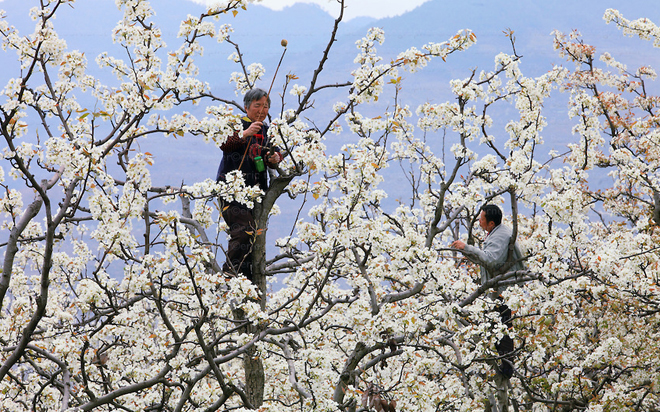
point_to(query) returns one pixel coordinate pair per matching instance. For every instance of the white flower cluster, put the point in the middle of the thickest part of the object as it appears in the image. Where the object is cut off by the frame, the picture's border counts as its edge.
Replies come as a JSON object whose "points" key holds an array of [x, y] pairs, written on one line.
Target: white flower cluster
{"points": [[462, 120], [11, 204], [136, 295], [234, 189], [298, 90], [369, 77], [366, 45], [305, 145], [255, 72], [199, 27], [143, 39], [643, 27], [414, 59]]}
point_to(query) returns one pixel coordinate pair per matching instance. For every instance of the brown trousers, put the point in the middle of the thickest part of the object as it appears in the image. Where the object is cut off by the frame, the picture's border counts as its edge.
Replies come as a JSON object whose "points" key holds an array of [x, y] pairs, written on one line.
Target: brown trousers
{"points": [[241, 234]]}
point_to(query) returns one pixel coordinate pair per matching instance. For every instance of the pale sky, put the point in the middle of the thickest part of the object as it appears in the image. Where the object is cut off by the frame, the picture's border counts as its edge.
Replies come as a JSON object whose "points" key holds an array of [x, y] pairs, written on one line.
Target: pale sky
{"points": [[354, 8]]}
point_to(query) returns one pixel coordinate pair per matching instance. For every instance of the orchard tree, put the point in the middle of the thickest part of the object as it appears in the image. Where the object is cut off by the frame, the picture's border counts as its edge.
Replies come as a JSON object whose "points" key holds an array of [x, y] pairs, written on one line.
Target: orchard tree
{"points": [[111, 293]]}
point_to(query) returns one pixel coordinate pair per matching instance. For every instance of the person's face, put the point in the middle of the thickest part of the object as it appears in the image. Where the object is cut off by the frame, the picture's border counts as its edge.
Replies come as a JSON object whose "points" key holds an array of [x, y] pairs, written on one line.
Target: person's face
{"points": [[485, 225], [258, 110]]}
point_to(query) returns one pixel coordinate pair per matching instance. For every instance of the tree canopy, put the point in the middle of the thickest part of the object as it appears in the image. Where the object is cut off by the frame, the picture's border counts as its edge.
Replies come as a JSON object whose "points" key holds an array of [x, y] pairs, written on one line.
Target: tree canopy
{"points": [[111, 293]]}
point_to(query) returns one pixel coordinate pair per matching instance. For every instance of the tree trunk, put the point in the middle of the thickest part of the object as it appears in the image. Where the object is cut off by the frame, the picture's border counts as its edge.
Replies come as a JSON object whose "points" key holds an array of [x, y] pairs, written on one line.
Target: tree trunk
{"points": [[253, 366], [252, 363], [260, 213], [254, 377], [499, 402]]}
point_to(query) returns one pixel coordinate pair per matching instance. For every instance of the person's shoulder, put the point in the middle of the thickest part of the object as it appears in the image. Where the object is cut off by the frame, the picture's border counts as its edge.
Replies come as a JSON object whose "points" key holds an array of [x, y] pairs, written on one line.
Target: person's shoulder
{"points": [[501, 230]]}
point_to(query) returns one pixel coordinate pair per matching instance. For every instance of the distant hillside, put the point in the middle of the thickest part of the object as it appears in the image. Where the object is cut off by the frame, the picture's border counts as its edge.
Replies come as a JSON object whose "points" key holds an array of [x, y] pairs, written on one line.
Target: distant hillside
{"points": [[88, 25]]}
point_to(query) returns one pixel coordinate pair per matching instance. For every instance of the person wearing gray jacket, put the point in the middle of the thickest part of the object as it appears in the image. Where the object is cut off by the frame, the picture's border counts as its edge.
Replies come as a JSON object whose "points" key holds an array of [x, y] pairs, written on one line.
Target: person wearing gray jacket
{"points": [[493, 261], [493, 256]]}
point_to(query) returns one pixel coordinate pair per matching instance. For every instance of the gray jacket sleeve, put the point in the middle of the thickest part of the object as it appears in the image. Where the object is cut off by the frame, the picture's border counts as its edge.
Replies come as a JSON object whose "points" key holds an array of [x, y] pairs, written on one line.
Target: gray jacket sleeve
{"points": [[494, 252]]}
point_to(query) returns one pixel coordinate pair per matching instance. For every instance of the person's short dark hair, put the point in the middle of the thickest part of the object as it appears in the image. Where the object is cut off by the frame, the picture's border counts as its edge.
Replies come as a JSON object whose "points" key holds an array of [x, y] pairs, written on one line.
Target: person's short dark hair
{"points": [[254, 95], [492, 213]]}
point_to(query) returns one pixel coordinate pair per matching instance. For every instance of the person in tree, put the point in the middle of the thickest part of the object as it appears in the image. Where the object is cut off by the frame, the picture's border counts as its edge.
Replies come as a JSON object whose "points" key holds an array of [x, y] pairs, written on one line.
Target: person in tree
{"points": [[250, 152], [493, 260]]}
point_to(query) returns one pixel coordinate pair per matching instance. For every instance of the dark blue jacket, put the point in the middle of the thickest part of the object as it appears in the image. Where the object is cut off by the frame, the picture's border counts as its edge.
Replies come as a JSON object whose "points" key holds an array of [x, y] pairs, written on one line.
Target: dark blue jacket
{"points": [[236, 153]]}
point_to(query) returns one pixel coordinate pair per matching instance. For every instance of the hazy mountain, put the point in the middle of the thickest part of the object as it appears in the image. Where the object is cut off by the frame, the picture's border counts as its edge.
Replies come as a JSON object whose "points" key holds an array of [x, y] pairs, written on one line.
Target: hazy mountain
{"points": [[87, 25]]}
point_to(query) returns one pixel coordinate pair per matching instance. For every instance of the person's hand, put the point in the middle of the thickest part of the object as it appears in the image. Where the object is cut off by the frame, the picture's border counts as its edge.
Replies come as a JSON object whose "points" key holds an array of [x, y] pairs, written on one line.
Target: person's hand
{"points": [[254, 128], [274, 158], [458, 244]]}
